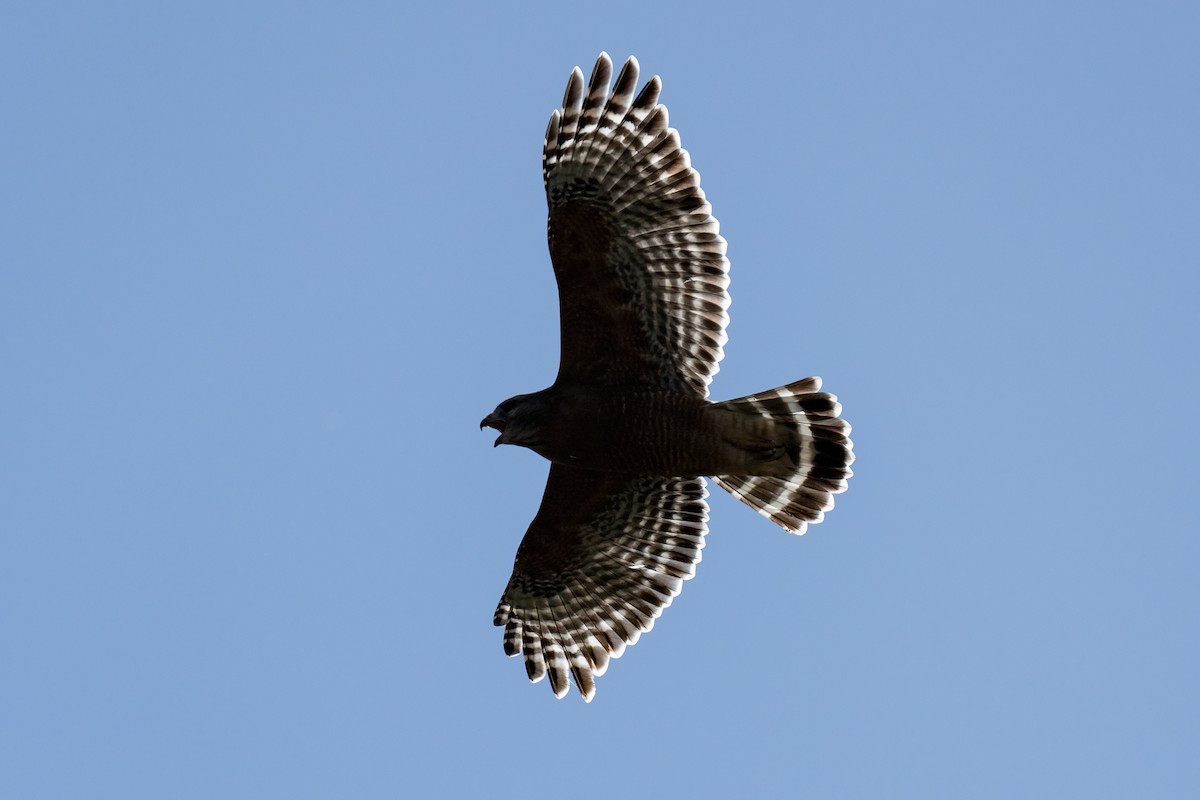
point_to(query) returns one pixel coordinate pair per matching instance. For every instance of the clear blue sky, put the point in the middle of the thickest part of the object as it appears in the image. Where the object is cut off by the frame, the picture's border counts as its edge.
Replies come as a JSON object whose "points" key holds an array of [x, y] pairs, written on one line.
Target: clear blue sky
{"points": [[266, 266]]}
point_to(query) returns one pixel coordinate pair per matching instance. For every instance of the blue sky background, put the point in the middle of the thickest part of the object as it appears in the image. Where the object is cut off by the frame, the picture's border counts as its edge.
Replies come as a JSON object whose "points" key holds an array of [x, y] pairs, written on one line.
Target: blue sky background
{"points": [[266, 266]]}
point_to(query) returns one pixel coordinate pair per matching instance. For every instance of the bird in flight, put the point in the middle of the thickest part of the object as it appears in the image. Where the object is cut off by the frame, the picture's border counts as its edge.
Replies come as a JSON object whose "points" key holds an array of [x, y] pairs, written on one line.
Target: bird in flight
{"points": [[627, 425]]}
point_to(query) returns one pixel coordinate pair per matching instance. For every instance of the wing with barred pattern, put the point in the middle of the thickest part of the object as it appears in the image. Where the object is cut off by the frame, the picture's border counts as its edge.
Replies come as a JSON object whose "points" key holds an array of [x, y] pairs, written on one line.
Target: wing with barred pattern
{"points": [[604, 556], [641, 267]]}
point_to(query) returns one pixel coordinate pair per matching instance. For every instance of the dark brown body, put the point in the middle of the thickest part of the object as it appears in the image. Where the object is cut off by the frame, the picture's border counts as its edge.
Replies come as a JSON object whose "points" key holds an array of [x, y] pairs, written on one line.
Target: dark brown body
{"points": [[653, 432]]}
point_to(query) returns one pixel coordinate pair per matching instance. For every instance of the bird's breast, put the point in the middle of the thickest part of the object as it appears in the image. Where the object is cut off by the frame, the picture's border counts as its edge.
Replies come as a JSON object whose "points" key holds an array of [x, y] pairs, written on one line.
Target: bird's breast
{"points": [[636, 431]]}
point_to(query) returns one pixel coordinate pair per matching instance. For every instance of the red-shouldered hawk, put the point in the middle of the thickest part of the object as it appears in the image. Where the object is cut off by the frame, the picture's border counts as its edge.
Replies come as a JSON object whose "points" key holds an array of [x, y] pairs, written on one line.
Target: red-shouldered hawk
{"points": [[642, 279]]}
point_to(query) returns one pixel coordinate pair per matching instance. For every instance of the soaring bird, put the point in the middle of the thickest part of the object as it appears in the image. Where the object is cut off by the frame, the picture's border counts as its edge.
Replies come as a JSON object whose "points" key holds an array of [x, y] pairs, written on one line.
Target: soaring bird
{"points": [[627, 424]]}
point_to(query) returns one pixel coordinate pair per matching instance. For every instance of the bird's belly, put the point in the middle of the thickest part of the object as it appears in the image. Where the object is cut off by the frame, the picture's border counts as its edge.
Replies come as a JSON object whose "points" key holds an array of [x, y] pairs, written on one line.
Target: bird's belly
{"points": [[642, 433]]}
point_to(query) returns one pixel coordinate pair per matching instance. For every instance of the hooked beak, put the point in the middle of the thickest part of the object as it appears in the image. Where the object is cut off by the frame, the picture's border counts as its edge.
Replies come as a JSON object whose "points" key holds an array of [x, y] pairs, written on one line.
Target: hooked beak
{"points": [[494, 421]]}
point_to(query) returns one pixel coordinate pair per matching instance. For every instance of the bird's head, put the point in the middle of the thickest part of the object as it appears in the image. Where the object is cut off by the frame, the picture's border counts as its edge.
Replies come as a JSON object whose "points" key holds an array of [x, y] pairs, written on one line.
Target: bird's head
{"points": [[519, 420]]}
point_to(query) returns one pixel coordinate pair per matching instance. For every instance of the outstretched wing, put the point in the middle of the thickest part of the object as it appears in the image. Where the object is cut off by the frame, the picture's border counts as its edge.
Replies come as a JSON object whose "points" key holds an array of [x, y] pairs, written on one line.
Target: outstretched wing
{"points": [[641, 267], [604, 556]]}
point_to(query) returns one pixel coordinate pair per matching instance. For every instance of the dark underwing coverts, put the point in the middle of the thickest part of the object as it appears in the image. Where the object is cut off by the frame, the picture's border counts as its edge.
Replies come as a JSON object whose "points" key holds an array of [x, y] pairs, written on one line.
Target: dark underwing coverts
{"points": [[642, 279]]}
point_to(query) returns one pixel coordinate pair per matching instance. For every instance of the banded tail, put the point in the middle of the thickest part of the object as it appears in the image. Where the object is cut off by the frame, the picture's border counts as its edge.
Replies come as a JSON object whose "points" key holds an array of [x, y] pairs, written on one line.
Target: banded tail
{"points": [[822, 465]]}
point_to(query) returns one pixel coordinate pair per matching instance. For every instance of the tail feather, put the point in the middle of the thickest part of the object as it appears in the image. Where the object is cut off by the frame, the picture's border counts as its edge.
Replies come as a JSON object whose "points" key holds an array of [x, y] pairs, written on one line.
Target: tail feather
{"points": [[823, 455]]}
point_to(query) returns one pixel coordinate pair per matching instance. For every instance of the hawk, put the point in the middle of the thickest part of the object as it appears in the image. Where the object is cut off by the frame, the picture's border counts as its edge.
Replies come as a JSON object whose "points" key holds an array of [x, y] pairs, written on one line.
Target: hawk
{"points": [[627, 426]]}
